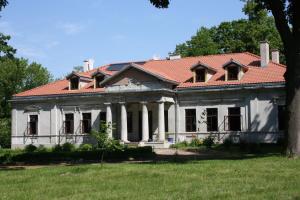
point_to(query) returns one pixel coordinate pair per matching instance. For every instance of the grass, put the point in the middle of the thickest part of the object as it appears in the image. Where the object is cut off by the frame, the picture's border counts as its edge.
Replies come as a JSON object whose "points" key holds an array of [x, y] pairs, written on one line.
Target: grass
{"points": [[273, 177]]}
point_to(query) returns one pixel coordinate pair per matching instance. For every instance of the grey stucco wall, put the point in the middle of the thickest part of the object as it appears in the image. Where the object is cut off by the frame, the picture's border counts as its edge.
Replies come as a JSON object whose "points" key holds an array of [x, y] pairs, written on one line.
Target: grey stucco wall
{"points": [[258, 108]]}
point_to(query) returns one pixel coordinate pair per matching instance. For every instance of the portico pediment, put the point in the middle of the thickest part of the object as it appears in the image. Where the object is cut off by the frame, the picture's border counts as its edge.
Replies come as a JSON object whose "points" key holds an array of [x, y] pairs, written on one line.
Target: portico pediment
{"points": [[134, 77]]}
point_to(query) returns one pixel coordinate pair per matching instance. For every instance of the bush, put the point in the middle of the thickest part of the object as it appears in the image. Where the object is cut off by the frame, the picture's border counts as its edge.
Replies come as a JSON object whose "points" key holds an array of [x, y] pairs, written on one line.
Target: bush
{"points": [[195, 143], [30, 148], [5, 133], [57, 148], [41, 148], [227, 143], [179, 145], [85, 147], [208, 142], [68, 147], [12, 156]]}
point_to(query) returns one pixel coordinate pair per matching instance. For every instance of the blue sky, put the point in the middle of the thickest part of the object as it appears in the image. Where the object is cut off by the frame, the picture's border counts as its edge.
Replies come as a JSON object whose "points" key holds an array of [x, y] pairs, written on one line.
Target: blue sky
{"points": [[60, 34]]}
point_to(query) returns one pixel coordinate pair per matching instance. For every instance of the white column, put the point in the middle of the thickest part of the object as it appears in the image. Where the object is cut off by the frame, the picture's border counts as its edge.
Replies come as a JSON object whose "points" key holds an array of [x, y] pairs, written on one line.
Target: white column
{"points": [[145, 125], [123, 122], [109, 119], [161, 121], [177, 121]]}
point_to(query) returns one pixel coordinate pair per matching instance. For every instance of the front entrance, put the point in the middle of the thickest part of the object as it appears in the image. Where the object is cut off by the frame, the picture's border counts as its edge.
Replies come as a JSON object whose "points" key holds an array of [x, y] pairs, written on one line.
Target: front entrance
{"points": [[149, 123]]}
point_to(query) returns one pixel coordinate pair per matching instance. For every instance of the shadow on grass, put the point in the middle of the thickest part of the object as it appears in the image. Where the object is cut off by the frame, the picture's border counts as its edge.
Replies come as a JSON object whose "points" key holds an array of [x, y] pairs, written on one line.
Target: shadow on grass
{"points": [[219, 153], [172, 156]]}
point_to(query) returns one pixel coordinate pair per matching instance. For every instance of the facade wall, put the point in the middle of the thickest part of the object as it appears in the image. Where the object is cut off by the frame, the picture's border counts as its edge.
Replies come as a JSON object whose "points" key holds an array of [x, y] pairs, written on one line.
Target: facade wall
{"points": [[258, 109]]}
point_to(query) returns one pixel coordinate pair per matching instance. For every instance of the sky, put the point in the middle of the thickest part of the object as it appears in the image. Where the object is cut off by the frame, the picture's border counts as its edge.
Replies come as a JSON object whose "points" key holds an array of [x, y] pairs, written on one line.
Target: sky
{"points": [[61, 34]]}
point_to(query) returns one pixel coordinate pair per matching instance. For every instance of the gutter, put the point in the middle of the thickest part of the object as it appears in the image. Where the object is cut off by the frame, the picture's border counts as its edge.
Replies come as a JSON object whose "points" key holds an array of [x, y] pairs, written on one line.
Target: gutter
{"points": [[231, 87], [72, 95]]}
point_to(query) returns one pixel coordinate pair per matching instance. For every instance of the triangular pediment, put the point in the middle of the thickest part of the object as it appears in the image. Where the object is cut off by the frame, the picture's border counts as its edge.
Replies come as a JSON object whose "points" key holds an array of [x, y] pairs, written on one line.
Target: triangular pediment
{"points": [[135, 74]]}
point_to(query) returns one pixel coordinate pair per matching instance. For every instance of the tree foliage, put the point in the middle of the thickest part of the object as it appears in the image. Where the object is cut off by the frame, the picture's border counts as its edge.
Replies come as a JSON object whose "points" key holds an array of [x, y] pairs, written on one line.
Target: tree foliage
{"points": [[3, 3], [235, 36]]}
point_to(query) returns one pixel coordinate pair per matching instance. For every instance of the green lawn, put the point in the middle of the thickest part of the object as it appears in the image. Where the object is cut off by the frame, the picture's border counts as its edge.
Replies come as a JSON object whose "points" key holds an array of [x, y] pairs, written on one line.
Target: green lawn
{"points": [[272, 177]]}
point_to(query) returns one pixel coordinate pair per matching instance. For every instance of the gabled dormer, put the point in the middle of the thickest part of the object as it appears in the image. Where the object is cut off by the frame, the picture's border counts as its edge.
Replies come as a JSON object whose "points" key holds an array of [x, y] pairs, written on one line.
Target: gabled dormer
{"points": [[202, 72], [234, 70], [77, 81], [98, 77]]}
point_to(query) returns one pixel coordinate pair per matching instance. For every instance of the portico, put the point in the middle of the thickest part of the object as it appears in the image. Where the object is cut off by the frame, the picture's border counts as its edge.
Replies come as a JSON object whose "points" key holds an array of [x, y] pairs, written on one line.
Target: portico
{"points": [[139, 121]]}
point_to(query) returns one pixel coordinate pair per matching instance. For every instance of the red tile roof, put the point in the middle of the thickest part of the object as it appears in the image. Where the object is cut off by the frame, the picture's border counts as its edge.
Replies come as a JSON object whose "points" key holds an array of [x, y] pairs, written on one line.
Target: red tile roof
{"points": [[179, 71]]}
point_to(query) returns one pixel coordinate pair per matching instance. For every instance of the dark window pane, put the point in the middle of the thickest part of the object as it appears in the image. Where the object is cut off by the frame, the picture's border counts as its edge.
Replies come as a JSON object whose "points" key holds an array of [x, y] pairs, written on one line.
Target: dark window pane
{"points": [[86, 122], [200, 75], [234, 119], [281, 117], [232, 73], [102, 117], [190, 120], [33, 124], [212, 119], [69, 123], [74, 82], [99, 79]]}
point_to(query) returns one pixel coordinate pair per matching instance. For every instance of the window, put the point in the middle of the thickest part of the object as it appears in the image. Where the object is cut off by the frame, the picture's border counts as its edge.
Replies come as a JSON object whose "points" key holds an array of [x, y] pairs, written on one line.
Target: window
{"points": [[166, 121], [232, 73], [33, 124], [74, 83], [102, 117], [234, 119], [69, 123], [86, 122], [212, 119], [129, 122], [281, 117], [98, 80], [200, 75], [190, 120]]}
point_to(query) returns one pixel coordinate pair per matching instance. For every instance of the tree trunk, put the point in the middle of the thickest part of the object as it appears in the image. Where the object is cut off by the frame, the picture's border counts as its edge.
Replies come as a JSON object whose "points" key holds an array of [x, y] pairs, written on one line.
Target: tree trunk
{"points": [[293, 100]]}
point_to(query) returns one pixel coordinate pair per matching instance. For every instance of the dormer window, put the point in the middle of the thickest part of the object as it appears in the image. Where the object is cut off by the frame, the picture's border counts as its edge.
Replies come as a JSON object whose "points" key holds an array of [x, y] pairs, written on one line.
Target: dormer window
{"points": [[234, 70], [74, 83], [202, 72], [99, 76], [77, 81], [98, 80], [200, 75], [233, 73]]}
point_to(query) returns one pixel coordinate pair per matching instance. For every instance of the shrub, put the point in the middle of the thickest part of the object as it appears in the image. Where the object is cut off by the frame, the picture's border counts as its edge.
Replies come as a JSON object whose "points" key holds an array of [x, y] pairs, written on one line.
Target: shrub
{"points": [[41, 148], [30, 148], [57, 148], [195, 143], [85, 147], [68, 147], [208, 142], [179, 145], [227, 143]]}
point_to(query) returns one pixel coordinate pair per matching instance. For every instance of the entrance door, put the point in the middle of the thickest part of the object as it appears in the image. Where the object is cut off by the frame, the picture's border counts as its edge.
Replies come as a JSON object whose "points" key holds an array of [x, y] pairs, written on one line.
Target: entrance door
{"points": [[234, 119], [150, 124]]}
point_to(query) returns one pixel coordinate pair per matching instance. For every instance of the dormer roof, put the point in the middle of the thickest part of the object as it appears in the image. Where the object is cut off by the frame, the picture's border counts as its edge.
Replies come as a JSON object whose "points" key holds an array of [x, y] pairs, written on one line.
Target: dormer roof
{"points": [[201, 64]]}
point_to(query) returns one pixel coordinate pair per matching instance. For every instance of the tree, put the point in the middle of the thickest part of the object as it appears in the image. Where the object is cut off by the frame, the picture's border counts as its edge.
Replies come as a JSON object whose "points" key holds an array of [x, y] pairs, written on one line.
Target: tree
{"points": [[235, 36], [36, 75], [287, 20], [3, 3]]}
